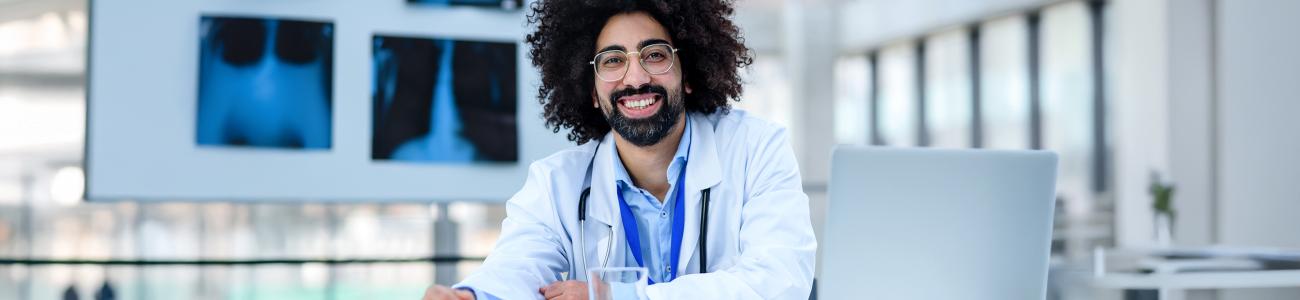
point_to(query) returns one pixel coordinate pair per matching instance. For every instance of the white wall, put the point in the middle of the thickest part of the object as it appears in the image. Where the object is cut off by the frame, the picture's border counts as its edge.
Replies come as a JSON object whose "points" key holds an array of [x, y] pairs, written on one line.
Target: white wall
{"points": [[1208, 89], [1259, 99], [1138, 99], [1259, 148], [1192, 119]]}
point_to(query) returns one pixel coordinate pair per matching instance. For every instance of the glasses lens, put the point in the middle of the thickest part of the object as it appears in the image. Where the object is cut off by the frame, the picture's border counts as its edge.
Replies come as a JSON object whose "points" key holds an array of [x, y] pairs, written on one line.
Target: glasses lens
{"points": [[610, 65], [657, 59]]}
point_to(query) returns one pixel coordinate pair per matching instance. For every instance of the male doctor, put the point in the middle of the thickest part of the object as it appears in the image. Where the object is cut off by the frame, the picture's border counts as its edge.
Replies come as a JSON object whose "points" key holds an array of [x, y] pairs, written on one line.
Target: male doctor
{"points": [[659, 73]]}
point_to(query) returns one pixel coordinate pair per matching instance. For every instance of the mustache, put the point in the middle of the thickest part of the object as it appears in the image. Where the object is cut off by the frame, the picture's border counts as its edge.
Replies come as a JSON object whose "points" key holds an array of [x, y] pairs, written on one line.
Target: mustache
{"points": [[649, 88]]}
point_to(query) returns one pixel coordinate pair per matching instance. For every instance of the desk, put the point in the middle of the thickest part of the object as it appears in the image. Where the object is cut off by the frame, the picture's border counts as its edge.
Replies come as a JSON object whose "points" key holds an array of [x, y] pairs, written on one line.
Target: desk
{"points": [[1174, 286]]}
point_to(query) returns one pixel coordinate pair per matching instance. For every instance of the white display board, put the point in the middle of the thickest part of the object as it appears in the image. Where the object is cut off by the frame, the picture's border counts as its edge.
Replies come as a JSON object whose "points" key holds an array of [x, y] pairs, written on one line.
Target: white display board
{"points": [[142, 103]]}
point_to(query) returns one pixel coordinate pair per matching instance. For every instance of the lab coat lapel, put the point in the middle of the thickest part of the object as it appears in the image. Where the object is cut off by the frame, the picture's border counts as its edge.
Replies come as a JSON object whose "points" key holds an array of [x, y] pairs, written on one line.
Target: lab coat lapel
{"points": [[602, 201], [702, 171], [603, 206]]}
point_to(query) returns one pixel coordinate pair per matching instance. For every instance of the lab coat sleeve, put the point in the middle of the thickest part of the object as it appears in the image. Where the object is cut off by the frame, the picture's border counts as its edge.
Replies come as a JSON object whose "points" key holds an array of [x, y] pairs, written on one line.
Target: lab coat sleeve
{"points": [[529, 254], [777, 245]]}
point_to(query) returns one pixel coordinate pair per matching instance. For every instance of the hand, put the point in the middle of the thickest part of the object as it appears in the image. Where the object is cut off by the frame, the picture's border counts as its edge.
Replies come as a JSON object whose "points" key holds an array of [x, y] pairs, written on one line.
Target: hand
{"points": [[438, 292], [565, 290]]}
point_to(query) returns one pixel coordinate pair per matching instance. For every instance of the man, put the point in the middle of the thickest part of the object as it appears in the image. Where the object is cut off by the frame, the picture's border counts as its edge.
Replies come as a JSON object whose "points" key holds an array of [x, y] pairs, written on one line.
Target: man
{"points": [[660, 75]]}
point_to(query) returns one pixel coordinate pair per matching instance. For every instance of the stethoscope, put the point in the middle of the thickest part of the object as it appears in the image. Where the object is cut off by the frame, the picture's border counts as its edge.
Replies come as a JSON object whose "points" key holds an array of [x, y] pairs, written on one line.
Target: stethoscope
{"points": [[582, 222]]}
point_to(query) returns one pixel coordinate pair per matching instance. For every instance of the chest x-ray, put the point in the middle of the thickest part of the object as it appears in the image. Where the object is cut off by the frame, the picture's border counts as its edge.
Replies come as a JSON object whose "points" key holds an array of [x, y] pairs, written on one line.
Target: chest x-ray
{"points": [[265, 83], [445, 101]]}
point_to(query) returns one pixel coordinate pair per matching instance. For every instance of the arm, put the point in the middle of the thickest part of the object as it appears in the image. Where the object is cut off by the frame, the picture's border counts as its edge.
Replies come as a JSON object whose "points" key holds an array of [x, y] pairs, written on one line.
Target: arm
{"points": [[529, 254], [777, 245]]}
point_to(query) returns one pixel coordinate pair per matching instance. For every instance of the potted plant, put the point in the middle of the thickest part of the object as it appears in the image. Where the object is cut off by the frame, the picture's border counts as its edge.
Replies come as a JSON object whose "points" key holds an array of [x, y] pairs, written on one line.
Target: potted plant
{"points": [[1162, 194]]}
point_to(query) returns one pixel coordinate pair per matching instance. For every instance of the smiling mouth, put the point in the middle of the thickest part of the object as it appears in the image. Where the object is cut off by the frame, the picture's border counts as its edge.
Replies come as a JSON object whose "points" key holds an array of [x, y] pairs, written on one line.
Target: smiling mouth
{"points": [[639, 105], [638, 102]]}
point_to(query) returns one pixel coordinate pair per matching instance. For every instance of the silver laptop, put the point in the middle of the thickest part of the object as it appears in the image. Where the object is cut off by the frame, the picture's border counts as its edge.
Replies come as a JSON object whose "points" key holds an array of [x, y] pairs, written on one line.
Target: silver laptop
{"points": [[937, 224]]}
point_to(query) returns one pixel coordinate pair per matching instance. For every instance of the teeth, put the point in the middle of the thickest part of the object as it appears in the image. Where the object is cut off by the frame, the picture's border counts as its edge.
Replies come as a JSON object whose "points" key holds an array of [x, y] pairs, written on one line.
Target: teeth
{"points": [[639, 103]]}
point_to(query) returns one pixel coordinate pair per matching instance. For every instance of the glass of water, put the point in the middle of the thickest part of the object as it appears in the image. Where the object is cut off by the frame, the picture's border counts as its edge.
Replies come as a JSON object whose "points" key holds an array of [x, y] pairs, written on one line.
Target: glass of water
{"points": [[616, 283]]}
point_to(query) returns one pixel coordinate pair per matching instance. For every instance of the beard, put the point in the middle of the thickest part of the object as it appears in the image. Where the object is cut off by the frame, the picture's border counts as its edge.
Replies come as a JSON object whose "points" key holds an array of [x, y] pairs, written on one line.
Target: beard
{"points": [[650, 130]]}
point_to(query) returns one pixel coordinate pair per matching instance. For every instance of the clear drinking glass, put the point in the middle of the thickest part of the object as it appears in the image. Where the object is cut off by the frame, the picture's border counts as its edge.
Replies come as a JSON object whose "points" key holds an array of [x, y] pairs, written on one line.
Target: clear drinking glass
{"points": [[616, 283]]}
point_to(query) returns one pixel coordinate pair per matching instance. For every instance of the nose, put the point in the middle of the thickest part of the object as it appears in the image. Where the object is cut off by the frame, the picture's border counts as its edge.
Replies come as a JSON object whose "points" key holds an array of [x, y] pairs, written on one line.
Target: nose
{"points": [[636, 75]]}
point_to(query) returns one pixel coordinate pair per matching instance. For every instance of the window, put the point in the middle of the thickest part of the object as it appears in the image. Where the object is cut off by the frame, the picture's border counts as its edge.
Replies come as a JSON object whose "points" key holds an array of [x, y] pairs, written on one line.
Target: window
{"points": [[947, 84], [852, 96], [1067, 99], [898, 107], [1004, 71]]}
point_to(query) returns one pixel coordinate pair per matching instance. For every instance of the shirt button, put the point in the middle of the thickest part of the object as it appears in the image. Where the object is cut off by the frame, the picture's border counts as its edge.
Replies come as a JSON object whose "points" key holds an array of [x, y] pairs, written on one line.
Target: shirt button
{"points": [[663, 215]]}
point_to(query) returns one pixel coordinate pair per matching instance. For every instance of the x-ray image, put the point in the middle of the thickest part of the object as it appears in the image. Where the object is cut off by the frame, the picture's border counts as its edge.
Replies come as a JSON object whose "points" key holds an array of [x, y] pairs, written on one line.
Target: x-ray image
{"points": [[265, 83], [446, 101], [503, 4]]}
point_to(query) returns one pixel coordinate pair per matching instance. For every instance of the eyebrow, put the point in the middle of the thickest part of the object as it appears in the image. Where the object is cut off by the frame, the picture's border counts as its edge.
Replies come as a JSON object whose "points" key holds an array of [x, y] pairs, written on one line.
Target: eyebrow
{"points": [[653, 42], [641, 45], [612, 47]]}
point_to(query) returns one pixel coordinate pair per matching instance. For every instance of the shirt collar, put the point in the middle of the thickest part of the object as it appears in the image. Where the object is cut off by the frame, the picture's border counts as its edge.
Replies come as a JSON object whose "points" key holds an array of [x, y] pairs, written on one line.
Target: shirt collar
{"points": [[624, 180]]}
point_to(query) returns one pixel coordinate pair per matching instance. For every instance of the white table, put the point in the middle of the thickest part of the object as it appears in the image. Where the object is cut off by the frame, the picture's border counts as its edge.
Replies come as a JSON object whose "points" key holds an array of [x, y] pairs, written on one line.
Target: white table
{"points": [[1175, 286]]}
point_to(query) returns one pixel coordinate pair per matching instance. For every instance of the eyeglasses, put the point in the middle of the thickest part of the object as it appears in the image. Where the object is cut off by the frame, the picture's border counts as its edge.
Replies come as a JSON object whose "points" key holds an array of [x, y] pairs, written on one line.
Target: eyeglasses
{"points": [[655, 59]]}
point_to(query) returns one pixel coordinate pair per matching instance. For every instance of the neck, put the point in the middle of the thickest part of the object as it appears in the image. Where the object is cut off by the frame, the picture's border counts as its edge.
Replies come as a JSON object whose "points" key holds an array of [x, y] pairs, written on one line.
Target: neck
{"points": [[648, 165]]}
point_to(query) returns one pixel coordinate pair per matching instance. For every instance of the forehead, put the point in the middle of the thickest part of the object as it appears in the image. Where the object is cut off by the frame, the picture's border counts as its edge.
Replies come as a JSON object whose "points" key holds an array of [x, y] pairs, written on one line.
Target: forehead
{"points": [[628, 30]]}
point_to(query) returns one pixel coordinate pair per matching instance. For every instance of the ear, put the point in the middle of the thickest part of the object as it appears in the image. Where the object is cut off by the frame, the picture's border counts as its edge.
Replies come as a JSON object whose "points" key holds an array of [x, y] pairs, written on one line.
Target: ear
{"points": [[687, 86], [595, 99]]}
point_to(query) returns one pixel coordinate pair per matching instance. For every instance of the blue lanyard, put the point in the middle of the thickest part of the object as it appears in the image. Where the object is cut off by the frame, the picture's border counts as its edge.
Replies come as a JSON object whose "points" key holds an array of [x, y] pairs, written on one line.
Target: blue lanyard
{"points": [[679, 222], [679, 225]]}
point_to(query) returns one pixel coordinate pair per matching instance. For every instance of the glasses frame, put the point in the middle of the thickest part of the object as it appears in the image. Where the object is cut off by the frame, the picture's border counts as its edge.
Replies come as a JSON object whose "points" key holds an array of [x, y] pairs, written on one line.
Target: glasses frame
{"points": [[639, 60]]}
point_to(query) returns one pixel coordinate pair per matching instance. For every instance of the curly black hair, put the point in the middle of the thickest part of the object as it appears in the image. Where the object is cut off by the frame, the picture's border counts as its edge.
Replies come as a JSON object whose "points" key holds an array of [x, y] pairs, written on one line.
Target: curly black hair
{"points": [[713, 52]]}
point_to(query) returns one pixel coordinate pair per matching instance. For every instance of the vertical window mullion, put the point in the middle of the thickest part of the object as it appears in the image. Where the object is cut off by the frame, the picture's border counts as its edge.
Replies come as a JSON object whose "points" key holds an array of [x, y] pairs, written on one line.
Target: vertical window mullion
{"points": [[1034, 28], [977, 123], [1100, 160], [873, 98], [922, 130]]}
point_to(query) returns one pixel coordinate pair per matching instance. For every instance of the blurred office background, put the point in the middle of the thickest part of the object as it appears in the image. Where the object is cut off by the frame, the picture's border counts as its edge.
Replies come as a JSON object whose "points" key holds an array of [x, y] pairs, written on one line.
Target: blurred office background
{"points": [[1202, 93]]}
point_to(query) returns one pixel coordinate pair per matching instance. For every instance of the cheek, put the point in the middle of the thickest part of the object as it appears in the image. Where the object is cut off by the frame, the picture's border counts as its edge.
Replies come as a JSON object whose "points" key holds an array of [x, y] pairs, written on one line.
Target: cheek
{"points": [[674, 82], [674, 79], [603, 89]]}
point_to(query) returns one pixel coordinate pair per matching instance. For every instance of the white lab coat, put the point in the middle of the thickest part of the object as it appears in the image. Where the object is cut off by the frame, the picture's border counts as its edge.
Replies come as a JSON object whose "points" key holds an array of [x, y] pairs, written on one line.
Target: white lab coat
{"points": [[760, 236]]}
